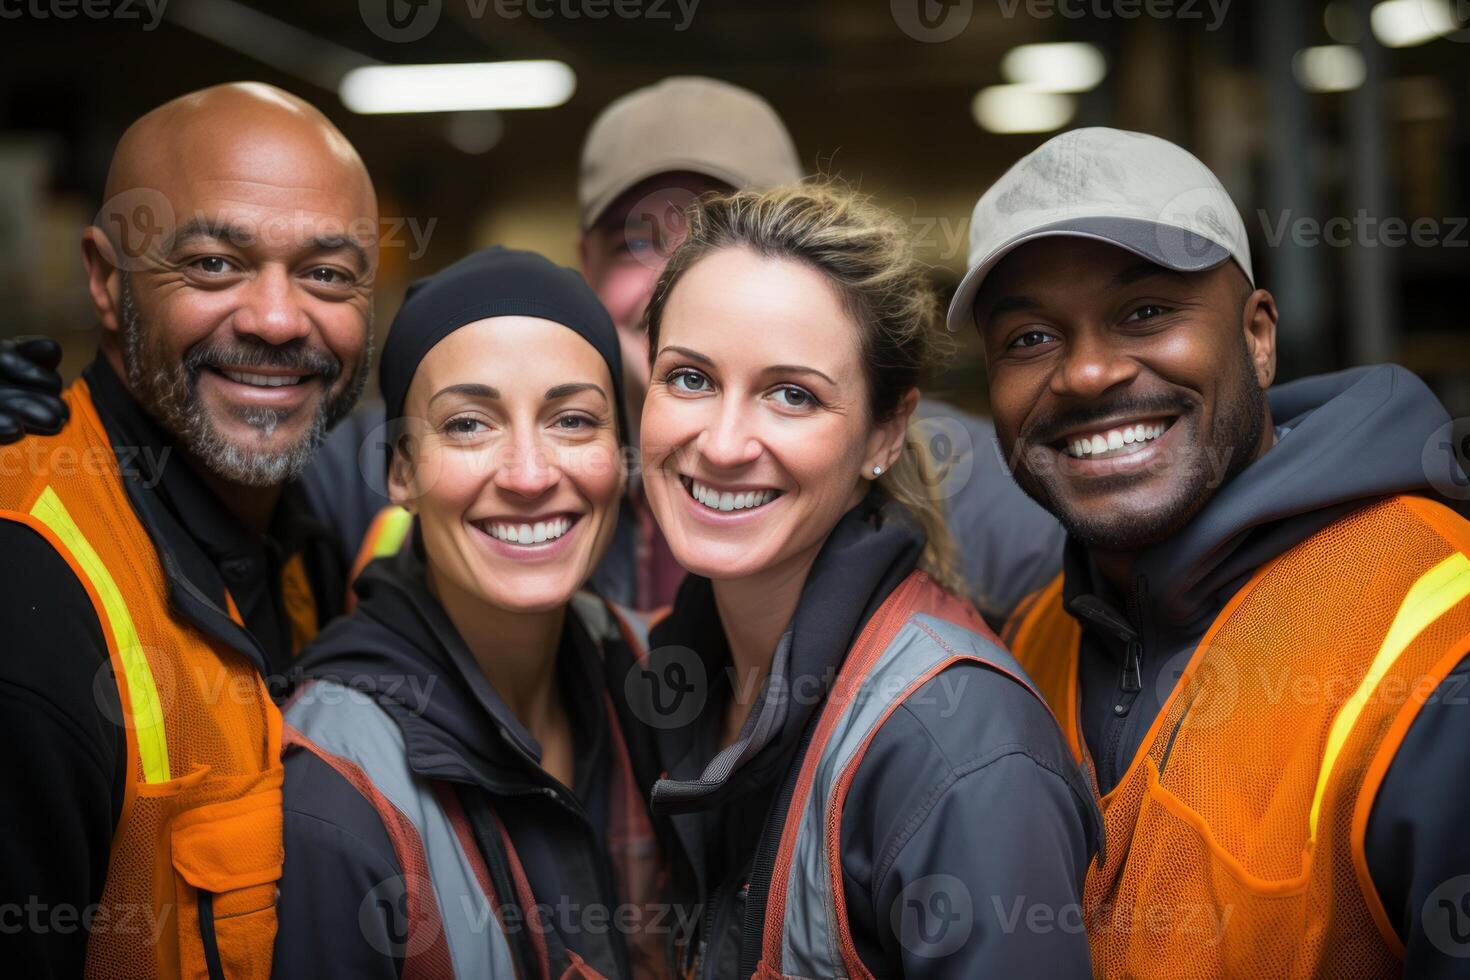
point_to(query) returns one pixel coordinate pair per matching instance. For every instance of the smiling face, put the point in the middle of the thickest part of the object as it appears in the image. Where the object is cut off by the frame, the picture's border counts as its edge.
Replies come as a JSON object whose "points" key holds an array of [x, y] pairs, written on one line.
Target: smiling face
{"points": [[512, 462], [1124, 394], [232, 270], [756, 430]]}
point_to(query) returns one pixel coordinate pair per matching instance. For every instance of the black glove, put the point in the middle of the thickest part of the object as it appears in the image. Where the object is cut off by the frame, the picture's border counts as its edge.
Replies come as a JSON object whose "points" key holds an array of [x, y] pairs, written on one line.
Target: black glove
{"points": [[30, 388]]}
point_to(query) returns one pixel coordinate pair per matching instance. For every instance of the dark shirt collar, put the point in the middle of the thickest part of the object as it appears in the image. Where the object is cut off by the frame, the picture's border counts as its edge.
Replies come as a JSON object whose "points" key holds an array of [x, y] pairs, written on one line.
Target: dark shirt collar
{"points": [[456, 726], [202, 546]]}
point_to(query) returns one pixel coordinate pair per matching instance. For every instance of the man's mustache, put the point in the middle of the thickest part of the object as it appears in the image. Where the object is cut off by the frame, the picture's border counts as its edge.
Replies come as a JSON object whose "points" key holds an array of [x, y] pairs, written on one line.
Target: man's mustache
{"points": [[295, 357], [1050, 428]]}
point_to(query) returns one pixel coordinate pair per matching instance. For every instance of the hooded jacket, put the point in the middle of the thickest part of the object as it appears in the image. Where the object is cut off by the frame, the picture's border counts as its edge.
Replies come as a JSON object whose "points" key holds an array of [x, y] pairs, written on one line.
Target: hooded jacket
{"points": [[400, 651], [1344, 440], [969, 778]]}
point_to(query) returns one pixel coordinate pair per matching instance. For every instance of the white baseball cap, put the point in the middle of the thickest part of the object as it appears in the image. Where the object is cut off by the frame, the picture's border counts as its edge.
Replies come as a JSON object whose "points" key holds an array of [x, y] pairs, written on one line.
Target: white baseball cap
{"points": [[1136, 191]]}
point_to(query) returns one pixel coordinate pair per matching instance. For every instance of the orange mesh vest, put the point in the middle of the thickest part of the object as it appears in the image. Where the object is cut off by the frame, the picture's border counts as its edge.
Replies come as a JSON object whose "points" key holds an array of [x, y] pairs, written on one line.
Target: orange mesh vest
{"points": [[191, 883], [1234, 842]]}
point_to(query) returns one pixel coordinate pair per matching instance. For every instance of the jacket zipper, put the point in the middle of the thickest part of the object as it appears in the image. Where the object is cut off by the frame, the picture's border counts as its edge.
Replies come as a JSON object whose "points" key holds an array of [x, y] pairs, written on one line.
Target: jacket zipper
{"points": [[706, 930], [759, 886], [1130, 680]]}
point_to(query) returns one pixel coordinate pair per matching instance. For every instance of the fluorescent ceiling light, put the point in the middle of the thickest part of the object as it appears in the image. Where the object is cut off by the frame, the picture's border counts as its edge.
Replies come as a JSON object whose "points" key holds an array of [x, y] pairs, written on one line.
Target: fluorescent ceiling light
{"points": [[1329, 68], [1062, 67], [458, 88], [1405, 23], [1021, 109]]}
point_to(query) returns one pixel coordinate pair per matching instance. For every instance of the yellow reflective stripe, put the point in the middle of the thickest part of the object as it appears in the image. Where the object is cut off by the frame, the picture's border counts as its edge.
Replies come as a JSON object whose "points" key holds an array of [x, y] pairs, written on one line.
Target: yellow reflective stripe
{"points": [[393, 528], [147, 711], [1436, 592]]}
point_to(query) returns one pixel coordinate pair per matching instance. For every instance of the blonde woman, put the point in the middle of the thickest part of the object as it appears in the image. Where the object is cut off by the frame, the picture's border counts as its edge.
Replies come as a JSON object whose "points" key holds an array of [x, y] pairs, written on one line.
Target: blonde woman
{"points": [[862, 779]]}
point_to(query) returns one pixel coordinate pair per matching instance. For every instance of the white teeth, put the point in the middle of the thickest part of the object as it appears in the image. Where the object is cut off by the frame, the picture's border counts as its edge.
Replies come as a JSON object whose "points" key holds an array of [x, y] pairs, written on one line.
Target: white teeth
{"points": [[727, 501], [262, 380], [540, 532], [1113, 440]]}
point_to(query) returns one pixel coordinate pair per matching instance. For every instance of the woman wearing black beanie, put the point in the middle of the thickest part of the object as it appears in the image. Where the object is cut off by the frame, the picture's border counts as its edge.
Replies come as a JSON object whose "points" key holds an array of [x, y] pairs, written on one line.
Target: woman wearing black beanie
{"points": [[461, 793]]}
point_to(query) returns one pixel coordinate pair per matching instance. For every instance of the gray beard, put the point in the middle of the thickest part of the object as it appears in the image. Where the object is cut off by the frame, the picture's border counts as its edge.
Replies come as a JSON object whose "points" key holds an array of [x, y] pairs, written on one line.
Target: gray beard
{"points": [[169, 393]]}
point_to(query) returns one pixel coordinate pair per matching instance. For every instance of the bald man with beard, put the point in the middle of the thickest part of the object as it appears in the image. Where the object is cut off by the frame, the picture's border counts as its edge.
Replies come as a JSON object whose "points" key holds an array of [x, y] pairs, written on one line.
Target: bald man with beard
{"points": [[160, 560]]}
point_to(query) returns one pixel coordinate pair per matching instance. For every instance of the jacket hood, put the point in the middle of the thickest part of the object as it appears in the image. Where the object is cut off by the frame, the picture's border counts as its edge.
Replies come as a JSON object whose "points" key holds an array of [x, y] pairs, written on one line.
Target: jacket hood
{"points": [[401, 647], [1343, 439]]}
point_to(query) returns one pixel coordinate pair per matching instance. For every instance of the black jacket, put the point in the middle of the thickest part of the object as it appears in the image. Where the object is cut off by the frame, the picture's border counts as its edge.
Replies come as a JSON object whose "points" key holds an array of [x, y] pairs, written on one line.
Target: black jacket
{"points": [[400, 648], [969, 778]]}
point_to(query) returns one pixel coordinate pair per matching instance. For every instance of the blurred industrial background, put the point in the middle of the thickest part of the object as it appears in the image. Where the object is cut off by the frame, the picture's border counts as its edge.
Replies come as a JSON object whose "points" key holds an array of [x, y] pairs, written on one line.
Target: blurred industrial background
{"points": [[1342, 128]]}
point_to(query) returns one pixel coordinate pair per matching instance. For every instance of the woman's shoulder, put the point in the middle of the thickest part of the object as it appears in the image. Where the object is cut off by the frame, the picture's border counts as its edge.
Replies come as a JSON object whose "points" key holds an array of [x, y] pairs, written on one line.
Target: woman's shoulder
{"points": [[961, 680], [965, 703], [970, 744], [347, 738], [973, 710], [325, 811]]}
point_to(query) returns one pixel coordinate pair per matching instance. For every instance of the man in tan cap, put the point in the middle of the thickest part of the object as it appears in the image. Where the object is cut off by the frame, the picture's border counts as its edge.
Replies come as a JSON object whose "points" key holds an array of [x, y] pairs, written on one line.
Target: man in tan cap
{"points": [[646, 157]]}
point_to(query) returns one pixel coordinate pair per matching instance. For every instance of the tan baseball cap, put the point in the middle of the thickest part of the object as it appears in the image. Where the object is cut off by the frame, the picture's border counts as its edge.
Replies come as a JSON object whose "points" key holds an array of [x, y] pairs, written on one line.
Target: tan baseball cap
{"points": [[1133, 190], [684, 123]]}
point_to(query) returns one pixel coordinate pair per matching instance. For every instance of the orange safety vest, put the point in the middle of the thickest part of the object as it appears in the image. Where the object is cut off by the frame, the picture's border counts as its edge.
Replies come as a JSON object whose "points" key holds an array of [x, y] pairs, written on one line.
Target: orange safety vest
{"points": [[1234, 842], [191, 879]]}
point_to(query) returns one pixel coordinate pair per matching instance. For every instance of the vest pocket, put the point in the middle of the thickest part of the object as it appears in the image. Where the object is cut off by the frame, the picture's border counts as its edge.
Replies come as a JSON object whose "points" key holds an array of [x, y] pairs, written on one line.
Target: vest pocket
{"points": [[227, 860], [1186, 900]]}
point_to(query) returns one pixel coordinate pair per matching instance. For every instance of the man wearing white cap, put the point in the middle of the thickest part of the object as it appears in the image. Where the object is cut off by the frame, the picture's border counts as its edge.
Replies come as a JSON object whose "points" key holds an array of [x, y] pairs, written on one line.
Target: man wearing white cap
{"points": [[1257, 644]]}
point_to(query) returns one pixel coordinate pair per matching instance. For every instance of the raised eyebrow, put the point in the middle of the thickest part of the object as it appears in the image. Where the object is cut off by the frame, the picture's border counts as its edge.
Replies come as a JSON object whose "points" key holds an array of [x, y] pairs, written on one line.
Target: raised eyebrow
{"points": [[337, 243], [797, 369], [574, 388], [208, 228], [469, 390], [224, 231], [693, 355], [1010, 304]]}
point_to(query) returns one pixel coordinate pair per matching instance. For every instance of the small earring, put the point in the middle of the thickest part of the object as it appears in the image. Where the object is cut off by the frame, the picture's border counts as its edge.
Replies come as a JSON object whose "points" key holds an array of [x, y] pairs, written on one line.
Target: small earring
{"points": [[877, 471]]}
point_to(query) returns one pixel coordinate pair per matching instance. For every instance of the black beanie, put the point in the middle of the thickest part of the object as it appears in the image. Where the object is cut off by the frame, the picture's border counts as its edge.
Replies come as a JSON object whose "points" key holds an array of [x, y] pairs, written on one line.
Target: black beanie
{"points": [[494, 282]]}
